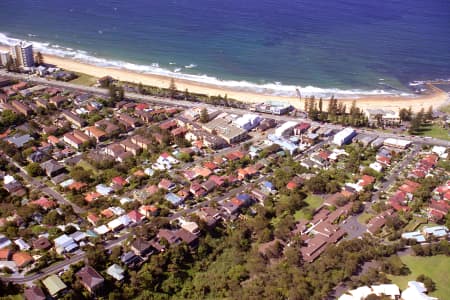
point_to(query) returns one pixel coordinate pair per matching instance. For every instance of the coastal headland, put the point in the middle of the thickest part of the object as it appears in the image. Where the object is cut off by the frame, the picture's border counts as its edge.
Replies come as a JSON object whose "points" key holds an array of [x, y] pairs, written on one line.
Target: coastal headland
{"points": [[433, 97]]}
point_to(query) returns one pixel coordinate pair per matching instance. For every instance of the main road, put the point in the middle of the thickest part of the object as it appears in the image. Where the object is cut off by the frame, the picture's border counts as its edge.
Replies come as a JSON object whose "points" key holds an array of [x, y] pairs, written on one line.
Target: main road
{"points": [[187, 104]]}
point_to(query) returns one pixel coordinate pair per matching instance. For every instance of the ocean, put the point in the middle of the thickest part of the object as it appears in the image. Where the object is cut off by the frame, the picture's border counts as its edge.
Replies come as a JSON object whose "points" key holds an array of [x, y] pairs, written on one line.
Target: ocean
{"points": [[341, 47]]}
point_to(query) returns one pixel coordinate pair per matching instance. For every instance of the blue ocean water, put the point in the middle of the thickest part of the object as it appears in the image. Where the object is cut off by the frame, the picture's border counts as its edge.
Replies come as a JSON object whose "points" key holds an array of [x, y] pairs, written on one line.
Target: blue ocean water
{"points": [[338, 46]]}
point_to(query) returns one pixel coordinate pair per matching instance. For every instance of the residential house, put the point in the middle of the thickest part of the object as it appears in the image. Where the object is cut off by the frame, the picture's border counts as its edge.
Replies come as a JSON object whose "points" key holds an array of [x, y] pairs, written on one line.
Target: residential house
{"points": [[22, 259], [53, 168], [21, 107], [166, 184], [136, 216], [57, 101], [116, 272], [209, 215], [34, 293], [129, 146], [141, 247], [42, 103], [74, 119], [376, 223], [197, 190], [96, 133], [173, 198], [54, 285], [70, 139], [142, 142], [128, 120], [114, 150], [42, 243], [148, 210], [90, 279], [108, 127]]}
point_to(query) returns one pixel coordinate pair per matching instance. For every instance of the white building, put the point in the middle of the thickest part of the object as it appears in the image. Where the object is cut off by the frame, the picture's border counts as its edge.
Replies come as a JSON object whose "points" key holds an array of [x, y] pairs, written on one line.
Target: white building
{"points": [[4, 57], [65, 244], [390, 290], [116, 272], [396, 143], [248, 121], [440, 151], [376, 166], [344, 136], [22, 54], [387, 117], [416, 291], [285, 129]]}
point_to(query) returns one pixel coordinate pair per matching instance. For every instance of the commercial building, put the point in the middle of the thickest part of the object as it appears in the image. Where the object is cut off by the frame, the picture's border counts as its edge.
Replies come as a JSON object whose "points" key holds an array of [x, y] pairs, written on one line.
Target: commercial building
{"points": [[396, 143], [276, 108], [248, 121], [22, 54], [344, 136], [386, 117], [224, 129], [285, 129], [283, 143]]}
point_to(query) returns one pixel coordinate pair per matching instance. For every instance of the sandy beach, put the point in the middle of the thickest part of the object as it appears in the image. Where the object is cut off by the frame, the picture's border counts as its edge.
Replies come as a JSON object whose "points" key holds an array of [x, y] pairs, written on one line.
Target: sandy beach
{"points": [[435, 98]]}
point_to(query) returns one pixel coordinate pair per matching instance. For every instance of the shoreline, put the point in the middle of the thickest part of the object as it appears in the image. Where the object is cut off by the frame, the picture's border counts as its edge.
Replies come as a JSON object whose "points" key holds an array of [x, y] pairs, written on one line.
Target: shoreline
{"points": [[435, 97]]}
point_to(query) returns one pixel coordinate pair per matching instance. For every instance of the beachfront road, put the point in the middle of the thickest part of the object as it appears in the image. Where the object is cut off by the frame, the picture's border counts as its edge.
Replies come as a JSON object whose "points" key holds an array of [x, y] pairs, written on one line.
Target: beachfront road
{"points": [[187, 104]]}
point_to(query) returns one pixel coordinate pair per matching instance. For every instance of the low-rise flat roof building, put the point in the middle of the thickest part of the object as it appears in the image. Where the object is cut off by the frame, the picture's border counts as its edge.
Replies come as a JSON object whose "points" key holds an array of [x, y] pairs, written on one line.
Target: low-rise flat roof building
{"points": [[224, 129]]}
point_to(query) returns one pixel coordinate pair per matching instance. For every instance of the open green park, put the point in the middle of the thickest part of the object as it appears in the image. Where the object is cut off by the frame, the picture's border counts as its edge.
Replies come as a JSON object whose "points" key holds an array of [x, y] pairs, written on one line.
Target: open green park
{"points": [[435, 267]]}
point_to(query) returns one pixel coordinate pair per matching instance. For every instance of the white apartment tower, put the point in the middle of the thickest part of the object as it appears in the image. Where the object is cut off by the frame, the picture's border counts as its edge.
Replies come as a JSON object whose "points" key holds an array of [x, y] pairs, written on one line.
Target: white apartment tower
{"points": [[4, 57], [22, 54]]}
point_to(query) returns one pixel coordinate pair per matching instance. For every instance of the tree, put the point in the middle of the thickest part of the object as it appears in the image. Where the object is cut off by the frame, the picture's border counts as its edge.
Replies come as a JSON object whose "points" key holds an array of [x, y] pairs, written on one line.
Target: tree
{"points": [[306, 105], [39, 58], [204, 118], [428, 282], [140, 88], [429, 115], [172, 88], [10, 65], [34, 169]]}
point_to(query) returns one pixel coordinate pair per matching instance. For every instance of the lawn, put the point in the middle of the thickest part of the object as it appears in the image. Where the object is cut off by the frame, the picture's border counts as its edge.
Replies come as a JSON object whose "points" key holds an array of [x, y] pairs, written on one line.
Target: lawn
{"points": [[84, 79], [435, 131], [414, 224], [313, 202], [445, 109], [87, 166], [364, 218], [436, 267]]}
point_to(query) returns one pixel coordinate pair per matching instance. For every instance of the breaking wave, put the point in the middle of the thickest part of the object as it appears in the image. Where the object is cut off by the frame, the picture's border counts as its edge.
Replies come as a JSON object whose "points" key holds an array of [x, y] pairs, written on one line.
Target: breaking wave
{"points": [[275, 89]]}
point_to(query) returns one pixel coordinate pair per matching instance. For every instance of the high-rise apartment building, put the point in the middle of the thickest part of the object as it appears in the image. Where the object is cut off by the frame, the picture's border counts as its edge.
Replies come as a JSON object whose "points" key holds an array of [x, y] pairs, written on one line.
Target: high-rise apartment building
{"points": [[22, 54]]}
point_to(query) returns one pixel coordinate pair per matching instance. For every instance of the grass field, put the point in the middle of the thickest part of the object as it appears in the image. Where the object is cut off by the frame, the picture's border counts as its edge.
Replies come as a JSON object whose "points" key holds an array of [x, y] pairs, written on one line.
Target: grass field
{"points": [[435, 131], [313, 203], [436, 267], [445, 109], [87, 166], [365, 217], [84, 79], [415, 223]]}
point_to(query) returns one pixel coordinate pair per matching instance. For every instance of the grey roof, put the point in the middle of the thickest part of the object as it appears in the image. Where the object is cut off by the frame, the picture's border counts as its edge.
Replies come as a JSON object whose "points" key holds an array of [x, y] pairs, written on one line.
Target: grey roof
{"points": [[19, 141], [51, 166]]}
